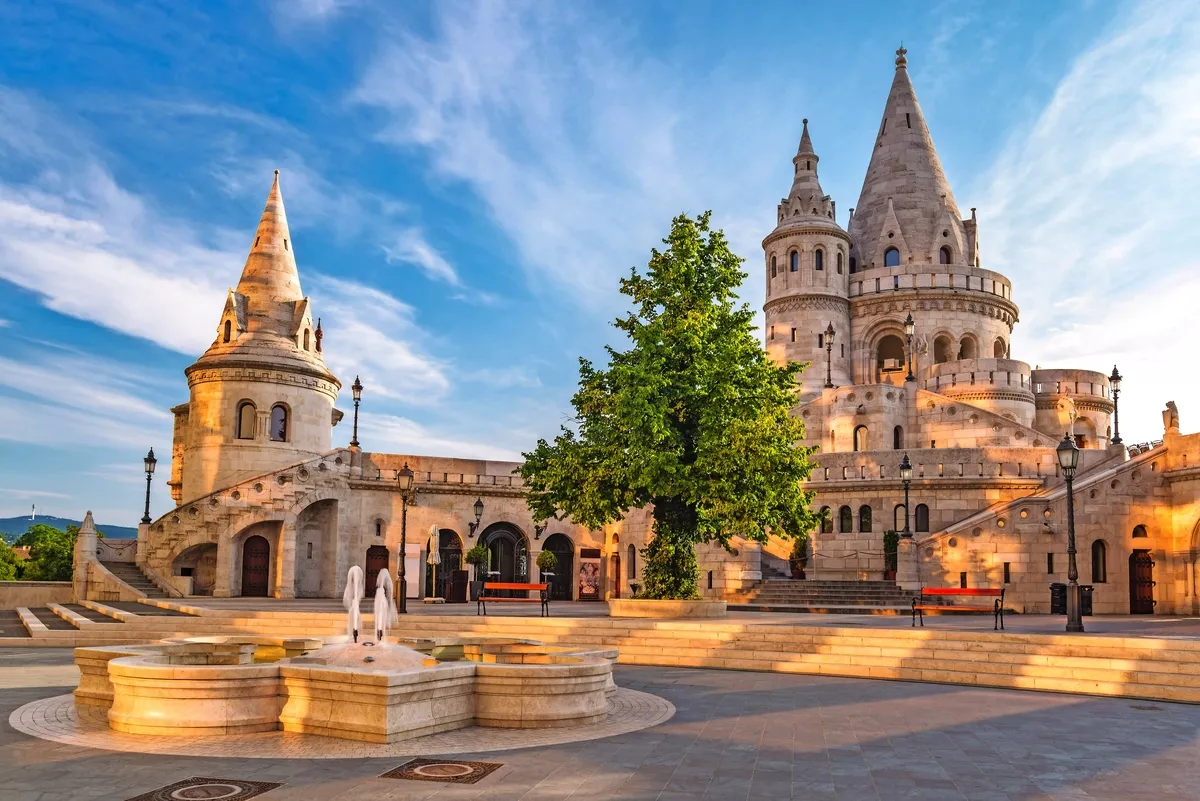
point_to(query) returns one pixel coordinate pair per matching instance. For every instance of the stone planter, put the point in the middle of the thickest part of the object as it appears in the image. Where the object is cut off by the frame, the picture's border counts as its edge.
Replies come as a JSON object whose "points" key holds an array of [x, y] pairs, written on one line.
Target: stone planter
{"points": [[638, 607]]}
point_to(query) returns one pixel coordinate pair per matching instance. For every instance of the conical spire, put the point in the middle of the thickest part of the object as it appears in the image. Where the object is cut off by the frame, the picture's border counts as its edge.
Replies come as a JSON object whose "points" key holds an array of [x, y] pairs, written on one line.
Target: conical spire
{"points": [[270, 277], [905, 170], [805, 198]]}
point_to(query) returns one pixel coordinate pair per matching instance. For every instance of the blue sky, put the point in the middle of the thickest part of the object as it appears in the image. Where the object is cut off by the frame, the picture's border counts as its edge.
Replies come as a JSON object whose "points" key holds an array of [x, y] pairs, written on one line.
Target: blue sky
{"points": [[466, 182]]}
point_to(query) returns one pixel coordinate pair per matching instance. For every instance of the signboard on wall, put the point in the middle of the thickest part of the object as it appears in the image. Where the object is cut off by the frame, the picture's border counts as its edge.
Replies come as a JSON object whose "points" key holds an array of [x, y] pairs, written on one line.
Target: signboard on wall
{"points": [[589, 574]]}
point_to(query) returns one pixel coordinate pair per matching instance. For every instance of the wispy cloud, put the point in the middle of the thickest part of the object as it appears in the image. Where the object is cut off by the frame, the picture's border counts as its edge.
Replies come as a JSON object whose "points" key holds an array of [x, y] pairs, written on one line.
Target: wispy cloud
{"points": [[1091, 212], [393, 434], [13, 492], [411, 247]]}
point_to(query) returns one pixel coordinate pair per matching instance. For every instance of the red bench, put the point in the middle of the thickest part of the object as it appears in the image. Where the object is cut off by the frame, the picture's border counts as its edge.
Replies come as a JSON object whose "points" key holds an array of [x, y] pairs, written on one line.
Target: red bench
{"points": [[543, 591], [919, 606]]}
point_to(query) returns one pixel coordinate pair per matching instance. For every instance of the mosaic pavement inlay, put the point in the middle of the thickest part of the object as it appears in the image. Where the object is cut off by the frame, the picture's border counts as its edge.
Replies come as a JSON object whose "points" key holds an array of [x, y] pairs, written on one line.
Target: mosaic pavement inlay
{"points": [[455, 771], [202, 789]]}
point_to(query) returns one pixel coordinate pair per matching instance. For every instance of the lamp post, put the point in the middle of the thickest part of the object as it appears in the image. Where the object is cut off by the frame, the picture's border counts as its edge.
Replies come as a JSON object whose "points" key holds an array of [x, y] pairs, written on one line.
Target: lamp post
{"points": [[404, 481], [906, 477], [1068, 460], [539, 529], [829, 332], [909, 327], [357, 389], [149, 462], [1114, 381], [478, 508]]}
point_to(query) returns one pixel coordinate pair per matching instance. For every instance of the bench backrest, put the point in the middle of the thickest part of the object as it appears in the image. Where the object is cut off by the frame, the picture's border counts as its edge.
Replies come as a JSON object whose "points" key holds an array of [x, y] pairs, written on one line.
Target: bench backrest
{"points": [[977, 591], [510, 585]]}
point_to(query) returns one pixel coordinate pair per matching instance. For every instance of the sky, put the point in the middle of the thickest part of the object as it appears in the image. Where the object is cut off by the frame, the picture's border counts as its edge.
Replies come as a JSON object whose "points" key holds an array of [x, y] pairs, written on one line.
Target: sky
{"points": [[467, 181]]}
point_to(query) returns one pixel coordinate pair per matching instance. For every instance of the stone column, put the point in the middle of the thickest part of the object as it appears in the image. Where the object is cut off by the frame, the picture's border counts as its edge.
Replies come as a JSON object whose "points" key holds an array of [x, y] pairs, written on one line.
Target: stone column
{"points": [[84, 556], [908, 573], [221, 586], [285, 567]]}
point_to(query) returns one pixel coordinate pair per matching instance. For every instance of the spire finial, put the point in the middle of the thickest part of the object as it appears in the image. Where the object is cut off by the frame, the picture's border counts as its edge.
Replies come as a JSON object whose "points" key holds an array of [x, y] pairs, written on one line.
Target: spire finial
{"points": [[901, 61], [276, 173]]}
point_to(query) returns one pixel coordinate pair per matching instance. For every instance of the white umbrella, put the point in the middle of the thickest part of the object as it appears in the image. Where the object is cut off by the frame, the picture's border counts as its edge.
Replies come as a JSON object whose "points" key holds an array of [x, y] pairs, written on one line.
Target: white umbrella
{"points": [[435, 555]]}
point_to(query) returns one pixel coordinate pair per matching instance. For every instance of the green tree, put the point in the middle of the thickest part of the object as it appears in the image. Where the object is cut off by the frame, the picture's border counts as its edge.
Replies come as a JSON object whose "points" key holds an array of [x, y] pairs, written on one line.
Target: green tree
{"points": [[10, 565], [51, 552], [692, 420]]}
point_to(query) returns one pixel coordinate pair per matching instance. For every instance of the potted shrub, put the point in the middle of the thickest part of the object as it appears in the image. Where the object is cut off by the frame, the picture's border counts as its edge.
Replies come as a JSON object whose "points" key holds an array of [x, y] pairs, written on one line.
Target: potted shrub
{"points": [[477, 558], [891, 546], [546, 563]]}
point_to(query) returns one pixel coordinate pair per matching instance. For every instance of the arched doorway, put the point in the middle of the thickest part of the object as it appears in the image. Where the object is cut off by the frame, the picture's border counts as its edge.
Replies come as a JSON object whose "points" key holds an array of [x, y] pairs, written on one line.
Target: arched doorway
{"points": [[615, 565], [564, 572], [1141, 583], [377, 559], [199, 562], [508, 553], [256, 566], [889, 357], [450, 550]]}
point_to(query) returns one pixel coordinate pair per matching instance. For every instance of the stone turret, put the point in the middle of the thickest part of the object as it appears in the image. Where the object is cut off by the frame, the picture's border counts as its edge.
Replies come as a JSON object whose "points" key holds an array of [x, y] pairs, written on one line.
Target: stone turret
{"points": [[806, 271], [261, 395]]}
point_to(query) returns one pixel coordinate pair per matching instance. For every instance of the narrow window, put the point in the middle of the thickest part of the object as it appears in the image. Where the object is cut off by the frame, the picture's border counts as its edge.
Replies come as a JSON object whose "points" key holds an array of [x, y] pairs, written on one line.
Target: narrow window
{"points": [[864, 518], [845, 520], [897, 516], [793, 334], [826, 520], [962, 581], [922, 515], [306, 339], [891, 257], [228, 330], [378, 528], [897, 438], [853, 265], [843, 350], [819, 259], [1050, 563], [774, 269], [808, 165], [839, 263], [795, 261], [246, 419], [257, 239], [1007, 573], [895, 282], [310, 550], [710, 579], [1139, 531], [883, 128], [631, 570], [944, 255], [820, 340], [279, 421], [1099, 562], [285, 244], [860, 438], [907, 119], [771, 332]]}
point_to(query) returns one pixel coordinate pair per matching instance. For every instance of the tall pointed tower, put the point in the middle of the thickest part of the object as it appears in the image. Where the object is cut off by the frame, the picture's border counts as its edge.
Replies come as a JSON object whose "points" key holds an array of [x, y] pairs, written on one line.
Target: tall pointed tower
{"points": [[261, 395], [806, 268]]}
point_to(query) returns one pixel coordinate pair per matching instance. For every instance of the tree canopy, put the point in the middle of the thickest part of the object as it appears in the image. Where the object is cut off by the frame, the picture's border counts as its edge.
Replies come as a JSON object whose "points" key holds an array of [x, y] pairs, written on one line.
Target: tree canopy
{"points": [[692, 420], [51, 552]]}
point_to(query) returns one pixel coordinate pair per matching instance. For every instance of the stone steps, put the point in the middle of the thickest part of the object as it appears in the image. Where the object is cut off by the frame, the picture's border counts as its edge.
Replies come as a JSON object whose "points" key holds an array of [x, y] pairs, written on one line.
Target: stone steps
{"points": [[131, 574], [793, 607]]}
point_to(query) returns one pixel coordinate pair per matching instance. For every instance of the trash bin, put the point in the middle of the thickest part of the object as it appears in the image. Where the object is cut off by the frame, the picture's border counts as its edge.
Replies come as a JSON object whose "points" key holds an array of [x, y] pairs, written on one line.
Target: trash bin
{"points": [[1085, 599], [1058, 598]]}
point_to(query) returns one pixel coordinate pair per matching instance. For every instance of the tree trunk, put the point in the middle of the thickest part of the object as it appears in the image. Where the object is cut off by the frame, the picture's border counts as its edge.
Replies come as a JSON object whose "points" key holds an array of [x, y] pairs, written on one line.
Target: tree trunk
{"points": [[669, 570]]}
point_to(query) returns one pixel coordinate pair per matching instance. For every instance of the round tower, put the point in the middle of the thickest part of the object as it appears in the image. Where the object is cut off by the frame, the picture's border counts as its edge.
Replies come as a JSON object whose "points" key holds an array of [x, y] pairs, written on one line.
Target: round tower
{"points": [[261, 397], [807, 260]]}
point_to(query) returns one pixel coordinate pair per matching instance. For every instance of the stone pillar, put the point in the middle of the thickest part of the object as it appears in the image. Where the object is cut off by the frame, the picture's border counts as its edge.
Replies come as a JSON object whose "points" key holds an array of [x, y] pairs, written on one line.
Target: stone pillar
{"points": [[908, 572], [142, 554], [285, 567], [221, 587], [84, 556]]}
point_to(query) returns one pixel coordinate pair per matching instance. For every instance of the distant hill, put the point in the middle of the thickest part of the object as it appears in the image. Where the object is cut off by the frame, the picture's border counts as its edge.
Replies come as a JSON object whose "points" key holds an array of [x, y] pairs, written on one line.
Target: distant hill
{"points": [[13, 527]]}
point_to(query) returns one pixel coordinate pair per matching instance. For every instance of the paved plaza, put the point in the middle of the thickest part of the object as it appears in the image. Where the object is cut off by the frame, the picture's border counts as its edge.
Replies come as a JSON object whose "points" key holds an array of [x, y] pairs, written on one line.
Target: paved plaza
{"points": [[734, 735]]}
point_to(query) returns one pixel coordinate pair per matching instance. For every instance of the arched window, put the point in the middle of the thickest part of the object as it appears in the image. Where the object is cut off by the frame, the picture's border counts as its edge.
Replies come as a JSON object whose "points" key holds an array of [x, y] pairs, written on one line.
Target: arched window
{"points": [[306, 339], [247, 417], [891, 258], [897, 438], [864, 518], [279, 423], [1140, 531], [967, 349], [845, 520], [898, 517], [378, 528], [853, 265], [818, 259], [999, 349], [228, 330], [839, 263], [922, 517], [826, 520], [1099, 562], [774, 267], [944, 255], [860, 438], [795, 263], [889, 355], [631, 570]]}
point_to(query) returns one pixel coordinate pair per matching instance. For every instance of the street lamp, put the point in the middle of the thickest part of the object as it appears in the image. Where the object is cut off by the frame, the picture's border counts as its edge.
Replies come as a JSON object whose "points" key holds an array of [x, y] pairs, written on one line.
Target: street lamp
{"points": [[404, 481], [1114, 381], [1068, 460], [829, 332], [150, 463], [357, 389], [909, 327], [906, 477], [478, 508], [539, 528]]}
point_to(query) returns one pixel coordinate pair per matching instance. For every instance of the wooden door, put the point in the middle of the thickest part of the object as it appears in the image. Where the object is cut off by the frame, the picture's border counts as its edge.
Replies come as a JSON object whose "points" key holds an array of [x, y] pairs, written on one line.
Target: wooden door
{"points": [[616, 574], [256, 566], [1141, 583], [377, 559], [564, 572]]}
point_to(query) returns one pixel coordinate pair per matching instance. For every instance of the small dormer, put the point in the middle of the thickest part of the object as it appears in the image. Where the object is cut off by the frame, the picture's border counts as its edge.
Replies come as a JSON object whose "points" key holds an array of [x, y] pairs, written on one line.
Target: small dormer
{"points": [[303, 331], [233, 318]]}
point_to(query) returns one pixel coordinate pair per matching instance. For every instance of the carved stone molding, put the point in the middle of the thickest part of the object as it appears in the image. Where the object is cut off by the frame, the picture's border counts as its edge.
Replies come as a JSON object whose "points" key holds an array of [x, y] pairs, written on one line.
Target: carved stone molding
{"points": [[831, 303]]}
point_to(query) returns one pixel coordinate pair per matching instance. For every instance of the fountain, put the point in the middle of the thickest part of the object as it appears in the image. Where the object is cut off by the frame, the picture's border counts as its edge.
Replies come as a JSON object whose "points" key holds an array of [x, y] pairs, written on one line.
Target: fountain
{"points": [[373, 691]]}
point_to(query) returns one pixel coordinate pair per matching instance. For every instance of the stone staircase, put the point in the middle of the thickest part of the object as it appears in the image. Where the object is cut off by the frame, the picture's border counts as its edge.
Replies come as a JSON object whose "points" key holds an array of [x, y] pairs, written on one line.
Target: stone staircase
{"points": [[821, 596], [132, 575]]}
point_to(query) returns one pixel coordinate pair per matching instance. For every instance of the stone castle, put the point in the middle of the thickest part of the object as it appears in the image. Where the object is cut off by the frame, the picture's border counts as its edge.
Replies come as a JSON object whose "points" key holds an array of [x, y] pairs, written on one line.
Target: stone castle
{"points": [[907, 337]]}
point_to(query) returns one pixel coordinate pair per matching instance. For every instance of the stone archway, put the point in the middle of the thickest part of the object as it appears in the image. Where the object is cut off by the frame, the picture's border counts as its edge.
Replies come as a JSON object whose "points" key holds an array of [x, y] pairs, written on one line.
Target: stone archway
{"points": [[268, 531], [199, 562], [315, 550], [508, 552], [562, 586], [450, 553], [256, 566]]}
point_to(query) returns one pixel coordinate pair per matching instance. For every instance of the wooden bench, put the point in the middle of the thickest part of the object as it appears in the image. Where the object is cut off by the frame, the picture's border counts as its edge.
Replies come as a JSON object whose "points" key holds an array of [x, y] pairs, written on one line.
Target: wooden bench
{"points": [[919, 607], [543, 591]]}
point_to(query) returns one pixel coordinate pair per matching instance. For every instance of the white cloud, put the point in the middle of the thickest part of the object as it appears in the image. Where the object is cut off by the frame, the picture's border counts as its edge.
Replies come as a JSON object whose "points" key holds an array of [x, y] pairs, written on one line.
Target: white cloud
{"points": [[1092, 214], [411, 247], [392, 434], [365, 342], [13, 492]]}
